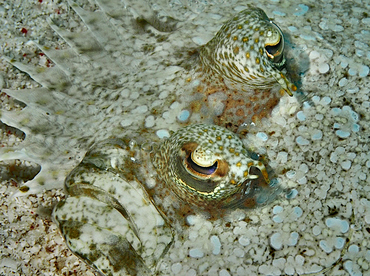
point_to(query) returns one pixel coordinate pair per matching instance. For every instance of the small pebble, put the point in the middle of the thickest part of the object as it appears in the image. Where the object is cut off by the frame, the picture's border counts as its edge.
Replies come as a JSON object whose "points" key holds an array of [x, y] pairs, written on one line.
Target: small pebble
{"points": [[140, 109], [355, 127], [317, 135], [162, 133], [293, 239], [342, 133], [349, 267], [325, 246], [352, 71], [314, 54], [366, 20], [224, 272], [149, 121], [290, 174], [307, 37], [279, 13], [346, 165], [238, 252], [297, 211], [324, 68], [363, 71], [353, 114], [215, 16], [277, 209], [183, 116], [337, 28], [353, 248], [282, 156], [339, 242], [244, 241], [175, 105], [316, 230], [325, 100], [301, 116], [319, 116], [301, 10], [199, 40], [302, 141], [262, 136], [316, 99], [176, 268], [277, 219], [353, 90], [196, 253], [336, 111], [191, 272], [343, 225], [280, 262], [126, 122], [342, 82], [302, 180], [276, 241], [291, 194], [216, 245]]}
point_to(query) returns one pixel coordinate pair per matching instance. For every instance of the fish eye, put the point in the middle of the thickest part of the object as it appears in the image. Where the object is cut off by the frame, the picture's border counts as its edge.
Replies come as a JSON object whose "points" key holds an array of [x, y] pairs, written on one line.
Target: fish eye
{"points": [[274, 52], [275, 45], [204, 170]]}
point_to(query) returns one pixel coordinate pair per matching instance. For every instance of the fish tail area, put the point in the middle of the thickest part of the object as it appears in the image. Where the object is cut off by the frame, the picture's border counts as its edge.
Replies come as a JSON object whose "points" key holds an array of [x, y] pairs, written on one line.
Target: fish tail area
{"points": [[52, 123], [61, 118], [48, 176], [81, 81]]}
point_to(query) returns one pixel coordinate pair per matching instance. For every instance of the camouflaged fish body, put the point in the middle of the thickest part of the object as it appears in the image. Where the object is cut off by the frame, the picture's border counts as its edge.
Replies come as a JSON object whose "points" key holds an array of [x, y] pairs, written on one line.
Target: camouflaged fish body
{"points": [[111, 222], [85, 96], [108, 219], [209, 166], [93, 93], [247, 52], [241, 69]]}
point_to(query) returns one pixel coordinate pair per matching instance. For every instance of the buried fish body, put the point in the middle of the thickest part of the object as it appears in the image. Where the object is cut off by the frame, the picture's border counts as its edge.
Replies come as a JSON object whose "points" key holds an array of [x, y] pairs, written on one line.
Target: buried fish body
{"points": [[247, 52], [116, 218], [241, 68], [209, 166], [201, 164]]}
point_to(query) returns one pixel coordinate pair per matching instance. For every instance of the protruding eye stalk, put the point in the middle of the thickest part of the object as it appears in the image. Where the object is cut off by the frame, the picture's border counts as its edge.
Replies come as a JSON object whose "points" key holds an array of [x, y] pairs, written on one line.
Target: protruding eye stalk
{"points": [[274, 49]]}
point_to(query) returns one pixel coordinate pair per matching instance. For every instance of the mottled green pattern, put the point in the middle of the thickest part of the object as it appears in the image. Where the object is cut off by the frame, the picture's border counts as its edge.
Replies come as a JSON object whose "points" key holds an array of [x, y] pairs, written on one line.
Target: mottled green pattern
{"points": [[108, 219], [240, 53], [205, 145]]}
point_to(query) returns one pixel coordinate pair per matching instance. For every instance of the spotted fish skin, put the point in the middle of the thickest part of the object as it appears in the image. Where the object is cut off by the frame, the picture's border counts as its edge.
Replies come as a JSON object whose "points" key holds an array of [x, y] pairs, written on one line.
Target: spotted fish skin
{"points": [[239, 52], [104, 216], [241, 77], [110, 217], [208, 166], [107, 218]]}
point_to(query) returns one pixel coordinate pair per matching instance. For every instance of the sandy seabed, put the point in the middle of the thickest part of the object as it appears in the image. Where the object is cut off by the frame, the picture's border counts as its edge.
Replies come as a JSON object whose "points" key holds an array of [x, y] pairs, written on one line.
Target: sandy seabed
{"points": [[320, 148]]}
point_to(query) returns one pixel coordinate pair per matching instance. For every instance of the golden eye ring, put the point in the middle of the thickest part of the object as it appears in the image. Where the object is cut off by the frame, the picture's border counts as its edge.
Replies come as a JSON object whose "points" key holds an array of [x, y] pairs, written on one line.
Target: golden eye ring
{"points": [[199, 169], [216, 169], [274, 49]]}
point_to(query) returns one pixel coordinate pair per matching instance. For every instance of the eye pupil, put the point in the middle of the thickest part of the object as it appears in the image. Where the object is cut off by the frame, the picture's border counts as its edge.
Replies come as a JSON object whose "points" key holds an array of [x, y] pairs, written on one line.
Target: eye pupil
{"points": [[200, 169], [275, 51]]}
